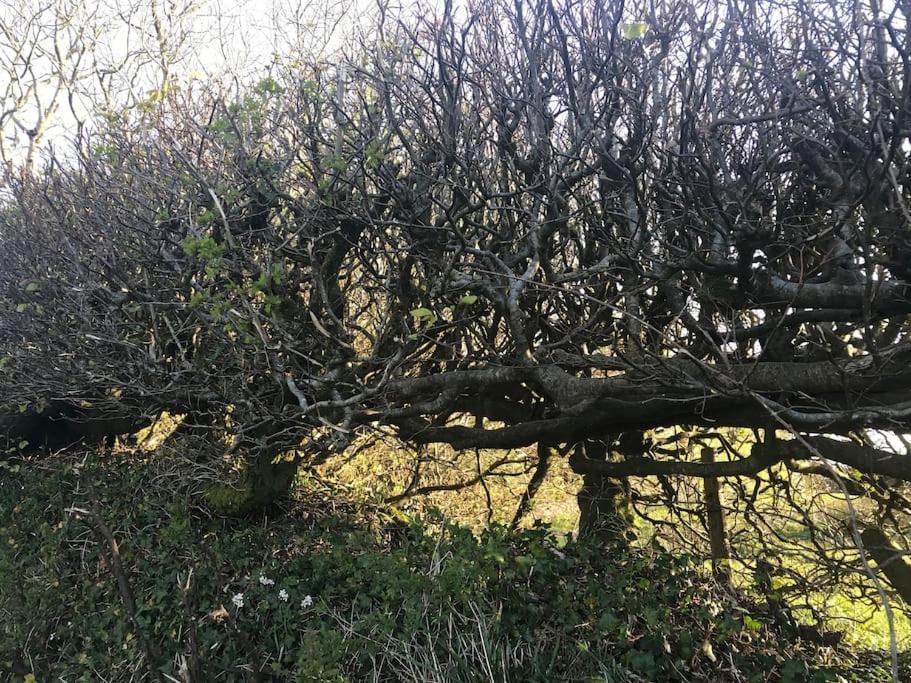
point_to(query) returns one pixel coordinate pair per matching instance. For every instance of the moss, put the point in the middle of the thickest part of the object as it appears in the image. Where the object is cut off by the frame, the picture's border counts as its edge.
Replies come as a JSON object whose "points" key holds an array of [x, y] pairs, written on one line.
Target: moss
{"points": [[262, 484]]}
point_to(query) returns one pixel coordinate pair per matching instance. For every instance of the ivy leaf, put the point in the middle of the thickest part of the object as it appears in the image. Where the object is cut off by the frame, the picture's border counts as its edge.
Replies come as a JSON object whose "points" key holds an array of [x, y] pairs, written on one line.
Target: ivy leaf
{"points": [[634, 30], [467, 300]]}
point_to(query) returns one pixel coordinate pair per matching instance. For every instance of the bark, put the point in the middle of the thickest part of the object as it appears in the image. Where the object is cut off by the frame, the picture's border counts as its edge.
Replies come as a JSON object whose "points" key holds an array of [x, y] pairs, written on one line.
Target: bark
{"points": [[714, 514], [859, 392], [269, 481], [61, 428], [604, 510], [890, 560], [888, 297], [671, 379], [862, 458]]}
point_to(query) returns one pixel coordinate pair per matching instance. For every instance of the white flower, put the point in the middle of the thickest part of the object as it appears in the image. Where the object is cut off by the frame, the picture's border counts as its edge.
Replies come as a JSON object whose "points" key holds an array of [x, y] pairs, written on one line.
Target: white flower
{"points": [[266, 581], [238, 600], [283, 595], [307, 601]]}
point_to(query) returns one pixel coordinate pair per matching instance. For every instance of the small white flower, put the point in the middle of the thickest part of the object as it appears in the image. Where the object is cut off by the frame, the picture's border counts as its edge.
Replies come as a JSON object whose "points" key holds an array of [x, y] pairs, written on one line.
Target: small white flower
{"points": [[238, 599], [307, 601], [283, 595], [266, 581]]}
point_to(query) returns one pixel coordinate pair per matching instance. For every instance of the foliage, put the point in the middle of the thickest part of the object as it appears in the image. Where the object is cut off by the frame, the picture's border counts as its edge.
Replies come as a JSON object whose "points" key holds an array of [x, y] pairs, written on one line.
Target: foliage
{"points": [[796, 523], [419, 599]]}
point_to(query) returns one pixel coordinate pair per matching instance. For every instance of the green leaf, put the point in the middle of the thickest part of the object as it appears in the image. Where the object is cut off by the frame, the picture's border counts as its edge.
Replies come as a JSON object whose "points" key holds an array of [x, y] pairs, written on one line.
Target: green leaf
{"points": [[21, 308], [31, 287], [793, 670], [751, 623], [634, 30], [335, 163], [205, 217], [268, 86], [467, 300], [423, 314], [525, 561], [23, 444]]}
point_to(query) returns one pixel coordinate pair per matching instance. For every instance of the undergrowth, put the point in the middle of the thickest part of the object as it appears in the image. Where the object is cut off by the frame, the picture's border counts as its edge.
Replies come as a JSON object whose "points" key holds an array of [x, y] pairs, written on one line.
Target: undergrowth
{"points": [[324, 590]]}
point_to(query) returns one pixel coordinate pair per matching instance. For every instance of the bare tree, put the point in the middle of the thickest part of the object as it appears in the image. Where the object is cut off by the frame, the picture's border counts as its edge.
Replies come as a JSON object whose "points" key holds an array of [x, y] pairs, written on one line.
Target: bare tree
{"points": [[44, 51], [593, 227]]}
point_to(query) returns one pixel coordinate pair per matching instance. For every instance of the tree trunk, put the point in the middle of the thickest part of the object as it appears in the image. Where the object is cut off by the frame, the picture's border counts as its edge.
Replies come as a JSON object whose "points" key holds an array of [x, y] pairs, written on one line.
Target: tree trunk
{"points": [[269, 473], [890, 560], [537, 478], [714, 519], [603, 502]]}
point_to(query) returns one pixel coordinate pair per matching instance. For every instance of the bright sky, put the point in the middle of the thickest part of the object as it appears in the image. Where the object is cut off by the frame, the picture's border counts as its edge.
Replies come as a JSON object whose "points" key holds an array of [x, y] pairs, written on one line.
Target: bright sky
{"points": [[201, 40]]}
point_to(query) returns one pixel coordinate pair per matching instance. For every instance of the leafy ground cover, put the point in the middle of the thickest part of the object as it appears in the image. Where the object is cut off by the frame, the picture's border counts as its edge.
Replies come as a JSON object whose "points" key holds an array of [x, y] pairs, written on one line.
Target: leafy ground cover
{"points": [[110, 569]]}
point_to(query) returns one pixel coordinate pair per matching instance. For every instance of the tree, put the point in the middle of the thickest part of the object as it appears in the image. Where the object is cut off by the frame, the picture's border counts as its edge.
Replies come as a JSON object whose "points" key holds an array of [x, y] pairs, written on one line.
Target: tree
{"points": [[591, 227]]}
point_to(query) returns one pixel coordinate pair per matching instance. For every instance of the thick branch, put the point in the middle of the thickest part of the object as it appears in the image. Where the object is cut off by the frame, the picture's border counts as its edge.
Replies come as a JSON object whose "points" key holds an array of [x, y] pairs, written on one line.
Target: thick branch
{"points": [[890, 296], [890, 560], [862, 458]]}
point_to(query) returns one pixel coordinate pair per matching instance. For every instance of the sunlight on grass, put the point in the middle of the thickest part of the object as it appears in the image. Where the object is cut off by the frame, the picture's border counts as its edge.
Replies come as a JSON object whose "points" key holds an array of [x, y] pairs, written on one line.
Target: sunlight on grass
{"points": [[378, 472], [866, 625]]}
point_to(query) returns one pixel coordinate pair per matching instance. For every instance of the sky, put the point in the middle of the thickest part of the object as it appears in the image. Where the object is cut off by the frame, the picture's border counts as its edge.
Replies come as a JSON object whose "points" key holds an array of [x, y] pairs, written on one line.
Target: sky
{"points": [[124, 41]]}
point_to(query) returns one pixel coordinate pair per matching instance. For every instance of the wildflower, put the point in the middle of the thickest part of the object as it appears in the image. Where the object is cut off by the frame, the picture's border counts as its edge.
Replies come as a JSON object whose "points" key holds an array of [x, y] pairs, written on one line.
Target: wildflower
{"points": [[283, 595], [266, 581], [238, 599], [307, 601]]}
